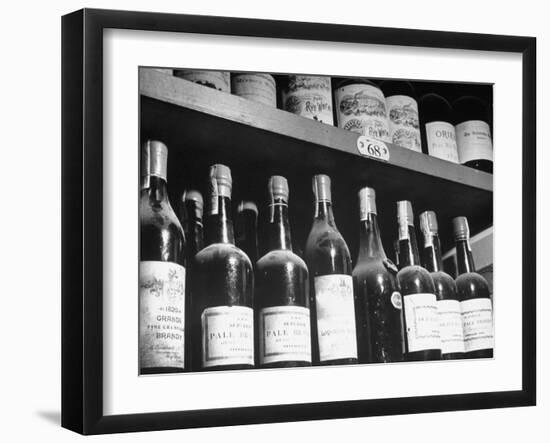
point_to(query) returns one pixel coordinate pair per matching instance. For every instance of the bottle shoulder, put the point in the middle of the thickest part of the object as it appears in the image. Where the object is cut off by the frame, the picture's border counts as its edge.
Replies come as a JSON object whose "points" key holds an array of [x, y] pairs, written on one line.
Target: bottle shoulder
{"points": [[280, 257], [159, 214], [444, 284], [415, 279], [222, 252], [472, 285]]}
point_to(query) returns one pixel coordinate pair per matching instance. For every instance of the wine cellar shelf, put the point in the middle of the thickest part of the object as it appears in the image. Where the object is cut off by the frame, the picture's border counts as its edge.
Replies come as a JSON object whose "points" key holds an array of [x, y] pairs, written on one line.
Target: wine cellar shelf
{"points": [[202, 126]]}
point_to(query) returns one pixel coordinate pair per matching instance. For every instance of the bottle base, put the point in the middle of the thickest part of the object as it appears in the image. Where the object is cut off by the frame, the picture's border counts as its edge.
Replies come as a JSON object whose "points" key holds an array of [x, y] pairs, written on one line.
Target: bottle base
{"points": [[482, 353], [161, 370], [341, 361], [431, 354], [286, 364]]}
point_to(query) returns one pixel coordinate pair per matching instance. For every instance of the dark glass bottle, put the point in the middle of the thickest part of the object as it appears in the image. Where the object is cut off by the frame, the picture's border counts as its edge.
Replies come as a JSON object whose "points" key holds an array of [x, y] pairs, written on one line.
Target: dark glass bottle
{"points": [[361, 107], [191, 212], [448, 305], [437, 128], [402, 110], [282, 305], [377, 291], [331, 295], [247, 229], [420, 317], [473, 133], [222, 289], [162, 333], [474, 296]]}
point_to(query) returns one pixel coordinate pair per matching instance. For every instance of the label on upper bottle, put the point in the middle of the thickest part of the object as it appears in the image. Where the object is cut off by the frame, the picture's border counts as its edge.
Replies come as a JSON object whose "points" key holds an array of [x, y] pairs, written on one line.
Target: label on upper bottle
{"points": [[473, 139], [227, 336], [422, 322], [219, 80], [285, 334], [403, 118], [310, 97], [161, 314], [335, 317], [477, 323], [450, 324], [441, 139], [256, 87], [362, 108]]}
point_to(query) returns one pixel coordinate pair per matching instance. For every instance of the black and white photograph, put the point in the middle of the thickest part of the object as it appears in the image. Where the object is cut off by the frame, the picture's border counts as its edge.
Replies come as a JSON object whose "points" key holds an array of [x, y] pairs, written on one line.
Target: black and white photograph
{"points": [[291, 220]]}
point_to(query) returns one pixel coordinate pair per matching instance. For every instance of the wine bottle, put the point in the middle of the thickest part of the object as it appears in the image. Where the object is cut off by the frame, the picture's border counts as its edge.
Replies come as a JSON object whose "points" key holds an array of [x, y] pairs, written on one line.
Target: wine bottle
{"points": [[309, 96], [191, 212], [448, 305], [284, 333], [222, 289], [473, 134], [420, 317], [161, 270], [361, 108], [437, 129], [402, 110], [331, 294], [256, 87], [219, 80], [376, 290], [247, 228], [474, 296]]}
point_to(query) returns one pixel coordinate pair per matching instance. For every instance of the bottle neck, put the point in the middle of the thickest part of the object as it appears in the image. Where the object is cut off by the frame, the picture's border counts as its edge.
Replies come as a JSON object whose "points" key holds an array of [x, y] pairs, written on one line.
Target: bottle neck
{"points": [[432, 252], [323, 212], [278, 228], [221, 227], [408, 249], [464, 258], [155, 187], [370, 244]]}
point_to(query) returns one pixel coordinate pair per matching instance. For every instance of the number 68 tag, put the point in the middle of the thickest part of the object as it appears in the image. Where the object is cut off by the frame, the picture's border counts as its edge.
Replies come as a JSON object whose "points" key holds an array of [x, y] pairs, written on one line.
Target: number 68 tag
{"points": [[370, 147]]}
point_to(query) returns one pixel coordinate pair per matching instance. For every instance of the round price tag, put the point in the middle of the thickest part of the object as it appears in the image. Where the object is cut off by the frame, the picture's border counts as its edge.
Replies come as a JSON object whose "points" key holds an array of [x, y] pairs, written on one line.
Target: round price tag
{"points": [[370, 147]]}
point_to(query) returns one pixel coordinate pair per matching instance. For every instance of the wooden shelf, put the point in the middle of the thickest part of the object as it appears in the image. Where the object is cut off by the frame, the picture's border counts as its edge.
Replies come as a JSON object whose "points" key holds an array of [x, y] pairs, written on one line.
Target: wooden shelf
{"points": [[202, 126]]}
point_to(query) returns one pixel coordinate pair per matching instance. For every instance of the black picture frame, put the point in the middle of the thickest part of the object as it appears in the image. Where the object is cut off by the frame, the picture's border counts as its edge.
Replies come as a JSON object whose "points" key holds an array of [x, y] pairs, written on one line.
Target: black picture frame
{"points": [[82, 216]]}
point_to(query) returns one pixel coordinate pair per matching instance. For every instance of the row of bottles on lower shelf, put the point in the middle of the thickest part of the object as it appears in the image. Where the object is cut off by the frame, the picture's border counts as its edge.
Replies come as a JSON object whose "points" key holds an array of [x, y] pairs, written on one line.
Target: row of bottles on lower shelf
{"points": [[211, 308], [389, 111]]}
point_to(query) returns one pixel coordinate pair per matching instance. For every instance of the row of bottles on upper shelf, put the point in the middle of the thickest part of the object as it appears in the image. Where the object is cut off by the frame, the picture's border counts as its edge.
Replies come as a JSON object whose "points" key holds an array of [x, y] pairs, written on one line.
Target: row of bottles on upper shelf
{"points": [[388, 111], [209, 307]]}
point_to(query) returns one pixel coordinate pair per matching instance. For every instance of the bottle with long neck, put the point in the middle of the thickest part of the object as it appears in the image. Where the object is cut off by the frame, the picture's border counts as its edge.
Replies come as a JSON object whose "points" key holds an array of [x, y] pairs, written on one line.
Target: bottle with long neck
{"points": [[282, 305], [331, 294], [473, 293], [247, 228], [161, 270], [377, 291], [222, 289], [448, 305], [191, 212], [420, 317]]}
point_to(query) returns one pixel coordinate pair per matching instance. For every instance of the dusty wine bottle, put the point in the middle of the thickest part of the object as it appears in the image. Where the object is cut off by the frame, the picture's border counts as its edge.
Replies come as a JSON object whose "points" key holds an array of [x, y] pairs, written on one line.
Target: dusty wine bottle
{"points": [[448, 305], [219, 80], [247, 229], [420, 316], [474, 296], [361, 107], [376, 290], [255, 87], [190, 215], [402, 110], [161, 270], [331, 294], [284, 333], [222, 289], [437, 129], [309, 96], [473, 134]]}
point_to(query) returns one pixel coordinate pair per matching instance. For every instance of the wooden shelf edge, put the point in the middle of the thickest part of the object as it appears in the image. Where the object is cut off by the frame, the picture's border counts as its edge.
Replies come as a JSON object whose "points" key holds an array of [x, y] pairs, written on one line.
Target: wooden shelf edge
{"points": [[166, 88]]}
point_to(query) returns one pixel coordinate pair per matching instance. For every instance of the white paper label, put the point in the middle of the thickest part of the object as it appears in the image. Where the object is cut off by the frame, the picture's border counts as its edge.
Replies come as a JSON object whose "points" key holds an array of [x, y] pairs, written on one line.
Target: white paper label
{"points": [[370, 147], [335, 317], [285, 334], [310, 97], [477, 323], [450, 324], [403, 118], [256, 87], [362, 109], [161, 314], [441, 139], [473, 139], [227, 336], [422, 322]]}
